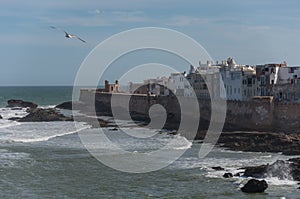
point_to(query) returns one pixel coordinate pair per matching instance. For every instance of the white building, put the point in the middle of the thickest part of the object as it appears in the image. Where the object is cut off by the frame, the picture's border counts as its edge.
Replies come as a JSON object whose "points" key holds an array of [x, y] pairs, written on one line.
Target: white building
{"points": [[288, 75], [233, 82], [179, 85], [158, 86]]}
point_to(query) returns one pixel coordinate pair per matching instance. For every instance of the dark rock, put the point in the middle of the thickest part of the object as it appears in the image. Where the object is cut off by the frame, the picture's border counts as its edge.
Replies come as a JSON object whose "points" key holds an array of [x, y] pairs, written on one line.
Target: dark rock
{"points": [[295, 168], [65, 105], [256, 171], [96, 123], [172, 133], [113, 129], [227, 175], [1, 117], [14, 118], [20, 103], [218, 168], [16, 108], [237, 174], [255, 186], [44, 115], [280, 169], [288, 144]]}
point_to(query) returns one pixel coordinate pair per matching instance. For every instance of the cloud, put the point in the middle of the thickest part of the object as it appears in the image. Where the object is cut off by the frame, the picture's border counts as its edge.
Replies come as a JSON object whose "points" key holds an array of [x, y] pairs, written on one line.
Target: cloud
{"points": [[181, 20], [97, 18]]}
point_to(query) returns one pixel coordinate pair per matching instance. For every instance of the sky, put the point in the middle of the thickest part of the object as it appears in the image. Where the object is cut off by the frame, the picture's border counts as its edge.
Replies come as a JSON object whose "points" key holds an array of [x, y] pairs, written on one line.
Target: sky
{"points": [[32, 53]]}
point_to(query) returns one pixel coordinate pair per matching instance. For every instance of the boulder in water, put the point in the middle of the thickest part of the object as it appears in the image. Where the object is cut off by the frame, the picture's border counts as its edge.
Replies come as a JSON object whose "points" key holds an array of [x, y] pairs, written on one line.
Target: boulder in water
{"points": [[295, 168], [218, 168], [256, 171], [65, 105], [1, 117], [14, 118], [20, 103], [70, 105], [280, 169], [44, 115], [255, 186], [227, 175]]}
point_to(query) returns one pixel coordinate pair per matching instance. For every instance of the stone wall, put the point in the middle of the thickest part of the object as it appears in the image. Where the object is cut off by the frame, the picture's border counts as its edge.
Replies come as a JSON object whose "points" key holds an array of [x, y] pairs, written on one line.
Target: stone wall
{"points": [[262, 114]]}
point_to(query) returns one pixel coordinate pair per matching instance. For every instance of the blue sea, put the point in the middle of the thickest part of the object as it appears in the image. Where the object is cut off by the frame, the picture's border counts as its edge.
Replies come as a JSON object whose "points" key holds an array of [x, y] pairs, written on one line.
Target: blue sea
{"points": [[49, 160]]}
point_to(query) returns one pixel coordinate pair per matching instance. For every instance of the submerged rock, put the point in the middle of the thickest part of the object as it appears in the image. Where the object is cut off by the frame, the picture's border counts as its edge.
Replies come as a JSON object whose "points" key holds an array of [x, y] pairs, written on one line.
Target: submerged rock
{"points": [[44, 115], [255, 186], [20, 103]]}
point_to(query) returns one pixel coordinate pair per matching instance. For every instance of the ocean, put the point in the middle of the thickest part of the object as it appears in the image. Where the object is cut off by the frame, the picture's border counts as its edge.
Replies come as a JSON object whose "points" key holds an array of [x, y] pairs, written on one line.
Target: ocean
{"points": [[48, 160]]}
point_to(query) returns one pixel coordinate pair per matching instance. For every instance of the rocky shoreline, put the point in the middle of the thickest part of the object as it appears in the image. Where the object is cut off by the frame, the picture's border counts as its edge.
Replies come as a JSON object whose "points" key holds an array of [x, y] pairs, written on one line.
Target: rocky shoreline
{"points": [[288, 144]]}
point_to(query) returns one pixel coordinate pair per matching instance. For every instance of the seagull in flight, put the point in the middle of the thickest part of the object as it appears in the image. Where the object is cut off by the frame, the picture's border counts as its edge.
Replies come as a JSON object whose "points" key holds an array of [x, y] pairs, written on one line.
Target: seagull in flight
{"points": [[68, 35]]}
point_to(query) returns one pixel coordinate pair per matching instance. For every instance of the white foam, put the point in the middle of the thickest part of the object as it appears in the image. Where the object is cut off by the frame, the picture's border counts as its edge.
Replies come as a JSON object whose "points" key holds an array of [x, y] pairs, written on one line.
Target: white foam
{"points": [[39, 131], [14, 159], [47, 106], [7, 113], [7, 123], [279, 182], [40, 139], [179, 143]]}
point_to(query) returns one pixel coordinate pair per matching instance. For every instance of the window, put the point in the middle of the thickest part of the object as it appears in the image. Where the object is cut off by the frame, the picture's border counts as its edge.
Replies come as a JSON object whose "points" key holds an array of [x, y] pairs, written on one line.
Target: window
{"points": [[291, 70], [249, 81]]}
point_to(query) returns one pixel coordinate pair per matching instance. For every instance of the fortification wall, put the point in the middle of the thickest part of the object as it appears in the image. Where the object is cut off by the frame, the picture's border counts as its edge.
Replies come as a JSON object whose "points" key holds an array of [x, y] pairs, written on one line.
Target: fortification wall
{"points": [[262, 114]]}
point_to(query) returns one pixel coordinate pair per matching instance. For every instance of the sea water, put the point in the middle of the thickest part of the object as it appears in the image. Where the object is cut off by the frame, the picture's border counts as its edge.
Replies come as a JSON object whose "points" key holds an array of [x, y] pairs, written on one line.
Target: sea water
{"points": [[48, 160]]}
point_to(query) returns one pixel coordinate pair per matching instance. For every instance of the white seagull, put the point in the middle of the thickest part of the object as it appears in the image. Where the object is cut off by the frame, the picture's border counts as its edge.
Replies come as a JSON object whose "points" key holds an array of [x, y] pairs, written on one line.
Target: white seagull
{"points": [[68, 35]]}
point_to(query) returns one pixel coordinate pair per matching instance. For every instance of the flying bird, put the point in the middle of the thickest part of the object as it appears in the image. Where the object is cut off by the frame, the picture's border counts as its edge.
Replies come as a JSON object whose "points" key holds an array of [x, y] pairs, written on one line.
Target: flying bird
{"points": [[68, 35]]}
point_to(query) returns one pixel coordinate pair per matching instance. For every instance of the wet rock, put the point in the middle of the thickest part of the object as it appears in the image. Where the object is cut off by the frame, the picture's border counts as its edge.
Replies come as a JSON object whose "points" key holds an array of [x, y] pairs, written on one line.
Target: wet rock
{"points": [[16, 108], [114, 129], [280, 169], [14, 118], [44, 115], [1, 117], [261, 142], [65, 105], [218, 168], [256, 171], [255, 186], [20, 103], [227, 175], [295, 168], [77, 105]]}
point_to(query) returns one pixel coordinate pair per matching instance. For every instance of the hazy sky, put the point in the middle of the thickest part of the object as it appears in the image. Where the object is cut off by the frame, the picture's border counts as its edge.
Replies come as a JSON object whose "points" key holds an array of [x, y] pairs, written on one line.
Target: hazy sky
{"points": [[253, 31]]}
